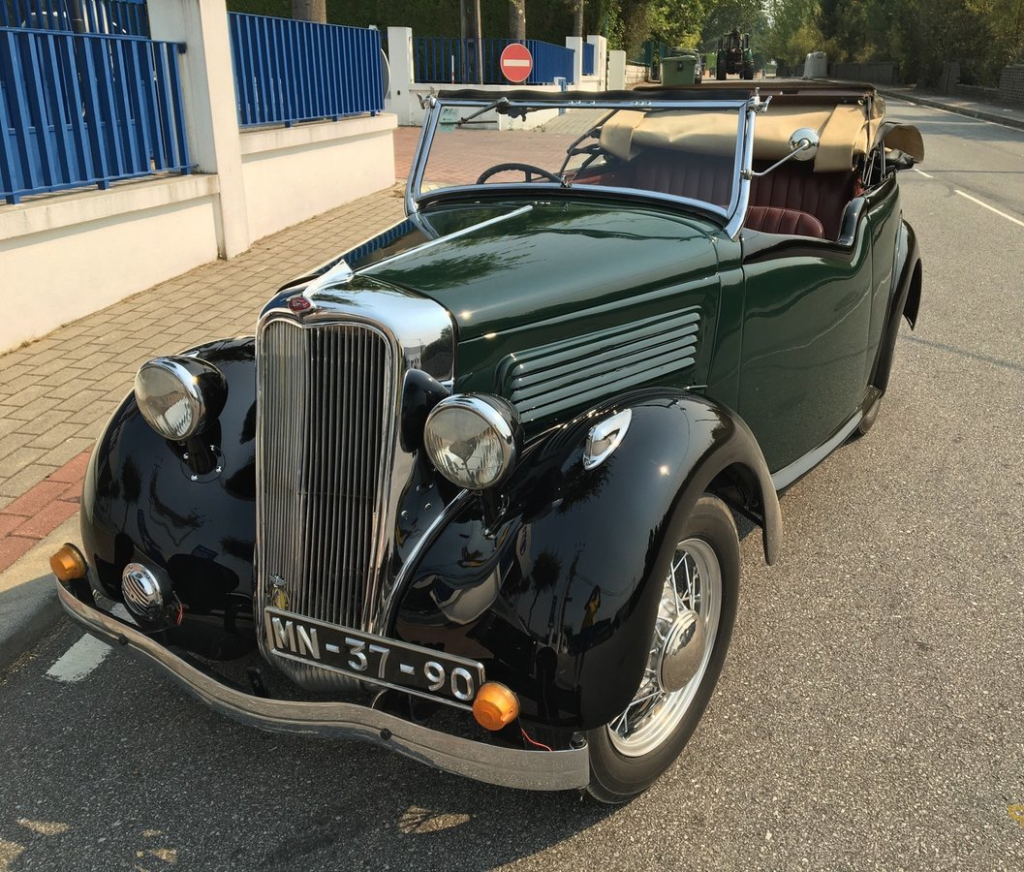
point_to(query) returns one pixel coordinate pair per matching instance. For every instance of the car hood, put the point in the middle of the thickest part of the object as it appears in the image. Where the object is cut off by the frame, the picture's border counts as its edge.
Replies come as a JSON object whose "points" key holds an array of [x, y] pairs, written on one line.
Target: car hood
{"points": [[496, 267]]}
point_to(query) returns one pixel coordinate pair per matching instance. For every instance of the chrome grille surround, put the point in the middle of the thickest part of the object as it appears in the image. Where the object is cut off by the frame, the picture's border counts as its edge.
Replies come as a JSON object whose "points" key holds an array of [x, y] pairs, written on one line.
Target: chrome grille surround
{"points": [[326, 515]]}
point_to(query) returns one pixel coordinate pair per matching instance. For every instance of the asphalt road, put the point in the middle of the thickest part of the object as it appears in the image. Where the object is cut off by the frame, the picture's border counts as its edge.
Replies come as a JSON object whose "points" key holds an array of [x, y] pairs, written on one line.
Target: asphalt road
{"points": [[871, 711]]}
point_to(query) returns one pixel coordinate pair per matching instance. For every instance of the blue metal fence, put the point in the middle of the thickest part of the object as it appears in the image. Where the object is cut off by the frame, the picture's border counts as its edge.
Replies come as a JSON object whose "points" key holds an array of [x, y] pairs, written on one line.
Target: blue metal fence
{"points": [[451, 60], [118, 17], [288, 71], [588, 59], [82, 109]]}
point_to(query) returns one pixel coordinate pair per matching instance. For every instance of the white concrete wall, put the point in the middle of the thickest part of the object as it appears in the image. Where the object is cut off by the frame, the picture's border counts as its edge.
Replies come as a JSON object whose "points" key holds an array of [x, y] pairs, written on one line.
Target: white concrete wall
{"points": [[575, 43], [403, 96], [293, 173], [600, 44], [211, 115], [616, 71], [65, 257]]}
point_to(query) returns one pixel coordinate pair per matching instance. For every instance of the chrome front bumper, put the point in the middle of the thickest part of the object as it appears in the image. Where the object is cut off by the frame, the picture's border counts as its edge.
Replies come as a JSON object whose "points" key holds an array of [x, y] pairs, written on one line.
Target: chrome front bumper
{"points": [[506, 767]]}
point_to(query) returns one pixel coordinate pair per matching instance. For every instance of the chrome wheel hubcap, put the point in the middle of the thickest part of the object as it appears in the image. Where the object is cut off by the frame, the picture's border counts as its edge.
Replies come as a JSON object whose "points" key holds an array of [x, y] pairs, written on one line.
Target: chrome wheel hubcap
{"points": [[684, 637], [682, 653]]}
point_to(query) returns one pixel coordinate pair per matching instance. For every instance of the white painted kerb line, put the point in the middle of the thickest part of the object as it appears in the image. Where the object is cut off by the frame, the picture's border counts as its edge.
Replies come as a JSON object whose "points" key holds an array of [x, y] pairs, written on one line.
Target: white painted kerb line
{"points": [[79, 660], [990, 208]]}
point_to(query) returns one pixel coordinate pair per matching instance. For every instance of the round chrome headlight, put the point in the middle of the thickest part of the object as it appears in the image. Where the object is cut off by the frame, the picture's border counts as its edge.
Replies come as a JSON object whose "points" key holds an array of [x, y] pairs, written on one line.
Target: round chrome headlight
{"points": [[473, 439], [179, 396]]}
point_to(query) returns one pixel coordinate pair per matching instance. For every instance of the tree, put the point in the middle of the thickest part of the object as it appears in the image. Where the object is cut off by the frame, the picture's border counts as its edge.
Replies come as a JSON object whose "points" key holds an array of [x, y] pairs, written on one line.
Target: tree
{"points": [[517, 19], [310, 10], [577, 16], [793, 30]]}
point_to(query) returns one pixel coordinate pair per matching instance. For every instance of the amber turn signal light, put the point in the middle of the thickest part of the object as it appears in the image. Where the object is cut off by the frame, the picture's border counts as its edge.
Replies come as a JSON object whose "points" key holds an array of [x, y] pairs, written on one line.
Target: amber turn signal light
{"points": [[495, 706], [68, 563]]}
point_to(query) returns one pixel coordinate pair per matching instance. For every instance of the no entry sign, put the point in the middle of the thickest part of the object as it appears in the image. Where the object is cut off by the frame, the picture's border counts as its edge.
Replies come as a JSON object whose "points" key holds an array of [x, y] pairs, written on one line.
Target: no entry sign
{"points": [[516, 62]]}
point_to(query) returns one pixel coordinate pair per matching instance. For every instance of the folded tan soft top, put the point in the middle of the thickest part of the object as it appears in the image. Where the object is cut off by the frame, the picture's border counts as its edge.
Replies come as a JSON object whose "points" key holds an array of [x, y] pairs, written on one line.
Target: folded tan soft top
{"points": [[845, 131]]}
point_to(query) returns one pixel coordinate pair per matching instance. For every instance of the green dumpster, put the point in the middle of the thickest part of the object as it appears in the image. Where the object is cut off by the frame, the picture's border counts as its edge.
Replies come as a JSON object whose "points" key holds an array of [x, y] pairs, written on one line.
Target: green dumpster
{"points": [[678, 70]]}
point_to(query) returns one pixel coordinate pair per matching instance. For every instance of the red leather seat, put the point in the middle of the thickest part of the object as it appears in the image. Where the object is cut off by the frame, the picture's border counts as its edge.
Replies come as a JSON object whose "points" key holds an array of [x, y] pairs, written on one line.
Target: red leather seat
{"points": [[793, 222], [697, 176], [795, 186]]}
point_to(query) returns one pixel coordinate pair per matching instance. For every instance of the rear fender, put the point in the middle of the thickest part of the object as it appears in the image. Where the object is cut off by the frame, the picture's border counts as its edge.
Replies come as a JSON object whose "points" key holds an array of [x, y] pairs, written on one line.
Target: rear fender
{"points": [[905, 302]]}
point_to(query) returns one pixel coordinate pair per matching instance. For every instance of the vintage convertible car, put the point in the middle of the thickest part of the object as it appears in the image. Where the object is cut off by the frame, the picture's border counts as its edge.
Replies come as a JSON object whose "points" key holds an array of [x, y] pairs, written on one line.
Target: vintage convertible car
{"points": [[469, 493]]}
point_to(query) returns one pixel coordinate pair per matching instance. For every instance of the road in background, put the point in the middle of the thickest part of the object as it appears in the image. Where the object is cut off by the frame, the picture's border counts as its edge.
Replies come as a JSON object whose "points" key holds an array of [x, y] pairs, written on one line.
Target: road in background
{"points": [[869, 715]]}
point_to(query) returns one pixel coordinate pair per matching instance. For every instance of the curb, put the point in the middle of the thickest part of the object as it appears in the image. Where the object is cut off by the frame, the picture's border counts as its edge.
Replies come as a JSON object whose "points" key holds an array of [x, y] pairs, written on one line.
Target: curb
{"points": [[28, 604], [980, 114]]}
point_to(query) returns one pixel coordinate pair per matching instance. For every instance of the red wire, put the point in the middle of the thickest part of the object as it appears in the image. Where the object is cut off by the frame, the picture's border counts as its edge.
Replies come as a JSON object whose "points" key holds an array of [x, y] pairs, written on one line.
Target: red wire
{"points": [[528, 739]]}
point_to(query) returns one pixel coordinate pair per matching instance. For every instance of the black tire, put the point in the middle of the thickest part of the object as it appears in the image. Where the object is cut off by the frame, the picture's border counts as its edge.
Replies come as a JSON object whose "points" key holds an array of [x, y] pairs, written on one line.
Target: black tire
{"points": [[615, 777], [748, 73], [720, 71]]}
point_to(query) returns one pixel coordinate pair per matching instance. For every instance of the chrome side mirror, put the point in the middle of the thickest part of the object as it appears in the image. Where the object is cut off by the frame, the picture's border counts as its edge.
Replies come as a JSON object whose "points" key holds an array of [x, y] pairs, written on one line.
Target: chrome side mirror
{"points": [[803, 145]]}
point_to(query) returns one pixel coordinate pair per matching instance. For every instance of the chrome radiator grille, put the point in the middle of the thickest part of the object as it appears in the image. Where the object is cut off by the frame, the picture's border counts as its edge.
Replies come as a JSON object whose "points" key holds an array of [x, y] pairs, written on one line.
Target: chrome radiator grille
{"points": [[326, 397]]}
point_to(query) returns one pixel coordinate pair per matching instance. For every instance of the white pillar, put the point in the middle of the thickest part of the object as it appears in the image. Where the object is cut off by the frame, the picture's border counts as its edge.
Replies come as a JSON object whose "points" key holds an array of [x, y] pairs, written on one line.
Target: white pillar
{"points": [[600, 45], [616, 71], [576, 44], [211, 114], [400, 98]]}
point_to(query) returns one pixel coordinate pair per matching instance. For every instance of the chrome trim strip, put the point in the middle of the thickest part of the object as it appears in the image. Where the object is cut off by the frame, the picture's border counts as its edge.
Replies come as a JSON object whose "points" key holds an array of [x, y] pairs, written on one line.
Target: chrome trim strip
{"points": [[419, 159], [506, 767], [607, 104], [802, 465], [746, 165], [425, 246], [389, 595]]}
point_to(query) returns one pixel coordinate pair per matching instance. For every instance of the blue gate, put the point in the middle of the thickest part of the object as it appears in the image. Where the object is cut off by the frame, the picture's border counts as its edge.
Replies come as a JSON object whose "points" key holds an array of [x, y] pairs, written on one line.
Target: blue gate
{"points": [[114, 17], [80, 109]]}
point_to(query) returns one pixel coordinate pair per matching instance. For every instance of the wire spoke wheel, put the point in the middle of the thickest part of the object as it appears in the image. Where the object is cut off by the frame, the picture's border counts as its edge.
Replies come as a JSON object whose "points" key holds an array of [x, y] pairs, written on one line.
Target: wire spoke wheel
{"points": [[690, 612], [681, 656]]}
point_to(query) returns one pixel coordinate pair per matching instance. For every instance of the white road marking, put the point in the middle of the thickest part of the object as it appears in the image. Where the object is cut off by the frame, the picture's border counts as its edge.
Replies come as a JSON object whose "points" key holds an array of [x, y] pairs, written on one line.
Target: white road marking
{"points": [[79, 660], [922, 173], [990, 208]]}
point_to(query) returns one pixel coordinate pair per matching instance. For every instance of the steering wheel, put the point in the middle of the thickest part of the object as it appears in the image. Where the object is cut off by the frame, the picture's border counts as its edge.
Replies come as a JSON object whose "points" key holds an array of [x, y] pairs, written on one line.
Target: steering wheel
{"points": [[529, 170]]}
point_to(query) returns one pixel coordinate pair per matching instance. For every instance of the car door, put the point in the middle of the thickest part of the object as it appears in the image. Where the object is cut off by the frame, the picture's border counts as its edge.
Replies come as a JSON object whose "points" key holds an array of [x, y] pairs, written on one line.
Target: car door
{"points": [[806, 324]]}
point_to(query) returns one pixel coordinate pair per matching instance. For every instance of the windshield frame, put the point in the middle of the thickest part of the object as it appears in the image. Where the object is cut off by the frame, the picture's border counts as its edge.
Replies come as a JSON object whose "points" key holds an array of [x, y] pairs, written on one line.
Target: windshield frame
{"points": [[731, 216]]}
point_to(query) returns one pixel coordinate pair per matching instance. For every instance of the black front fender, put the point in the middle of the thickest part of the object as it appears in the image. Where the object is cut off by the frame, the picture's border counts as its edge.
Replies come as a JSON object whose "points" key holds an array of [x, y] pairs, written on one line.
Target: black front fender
{"points": [[559, 600], [188, 509]]}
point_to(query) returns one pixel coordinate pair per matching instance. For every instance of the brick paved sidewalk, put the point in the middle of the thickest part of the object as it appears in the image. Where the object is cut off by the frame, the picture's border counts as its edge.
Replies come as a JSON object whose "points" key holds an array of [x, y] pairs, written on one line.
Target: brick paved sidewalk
{"points": [[57, 393]]}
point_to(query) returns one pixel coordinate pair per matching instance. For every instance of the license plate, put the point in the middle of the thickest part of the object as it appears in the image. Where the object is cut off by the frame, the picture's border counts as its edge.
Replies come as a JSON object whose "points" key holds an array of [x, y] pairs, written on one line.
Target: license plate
{"points": [[387, 662]]}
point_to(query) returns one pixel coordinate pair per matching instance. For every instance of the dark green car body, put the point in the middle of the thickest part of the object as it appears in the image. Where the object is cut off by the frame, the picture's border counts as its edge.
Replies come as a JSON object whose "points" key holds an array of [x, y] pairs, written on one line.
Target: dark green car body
{"points": [[744, 353], [788, 336]]}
